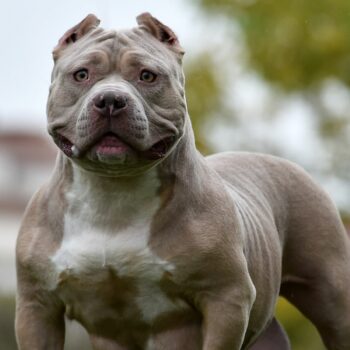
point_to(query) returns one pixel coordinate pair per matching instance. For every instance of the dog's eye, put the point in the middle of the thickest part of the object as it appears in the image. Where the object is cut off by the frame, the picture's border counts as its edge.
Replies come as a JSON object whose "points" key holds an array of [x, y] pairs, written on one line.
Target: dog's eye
{"points": [[81, 75], [148, 76]]}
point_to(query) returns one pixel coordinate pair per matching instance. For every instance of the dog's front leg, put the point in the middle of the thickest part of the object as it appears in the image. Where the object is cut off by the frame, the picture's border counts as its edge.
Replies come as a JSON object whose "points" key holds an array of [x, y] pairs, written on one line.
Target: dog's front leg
{"points": [[226, 314], [225, 319], [37, 327], [39, 316]]}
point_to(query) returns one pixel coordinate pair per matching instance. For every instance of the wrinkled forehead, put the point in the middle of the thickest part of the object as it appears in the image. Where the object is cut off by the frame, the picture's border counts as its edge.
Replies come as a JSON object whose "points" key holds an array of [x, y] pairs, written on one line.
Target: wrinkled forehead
{"points": [[133, 47]]}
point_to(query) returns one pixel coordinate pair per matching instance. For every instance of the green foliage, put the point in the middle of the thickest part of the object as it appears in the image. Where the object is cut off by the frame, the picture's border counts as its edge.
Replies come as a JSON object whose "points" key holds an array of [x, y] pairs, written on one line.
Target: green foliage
{"points": [[333, 127], [203, 92], [295, 44], [300, 47]]}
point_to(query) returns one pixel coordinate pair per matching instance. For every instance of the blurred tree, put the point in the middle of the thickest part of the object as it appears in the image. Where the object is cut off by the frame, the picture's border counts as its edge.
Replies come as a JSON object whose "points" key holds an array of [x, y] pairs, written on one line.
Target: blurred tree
{"points": [[294, 43], [300, 47], [203, 92]]}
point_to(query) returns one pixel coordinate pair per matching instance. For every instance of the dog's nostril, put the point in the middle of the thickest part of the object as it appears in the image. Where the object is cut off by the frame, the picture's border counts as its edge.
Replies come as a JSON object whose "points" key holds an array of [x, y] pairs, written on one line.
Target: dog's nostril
{"points": [[119, 102], [100, 102], [110, 103]]}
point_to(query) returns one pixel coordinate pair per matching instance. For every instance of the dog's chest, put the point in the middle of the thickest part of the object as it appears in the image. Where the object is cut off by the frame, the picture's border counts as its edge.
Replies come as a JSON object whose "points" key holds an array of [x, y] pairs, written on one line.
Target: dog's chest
{"points": [[106, 273], [88, 252]]}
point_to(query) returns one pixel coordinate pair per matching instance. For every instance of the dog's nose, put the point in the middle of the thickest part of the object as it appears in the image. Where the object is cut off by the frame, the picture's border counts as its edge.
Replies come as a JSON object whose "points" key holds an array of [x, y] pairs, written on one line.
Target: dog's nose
{"points": [[109, 104]]}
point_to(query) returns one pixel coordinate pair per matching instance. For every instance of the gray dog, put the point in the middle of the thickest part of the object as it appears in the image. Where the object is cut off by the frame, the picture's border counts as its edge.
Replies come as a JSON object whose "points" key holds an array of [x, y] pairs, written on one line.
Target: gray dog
{"points": [[148, 244]]}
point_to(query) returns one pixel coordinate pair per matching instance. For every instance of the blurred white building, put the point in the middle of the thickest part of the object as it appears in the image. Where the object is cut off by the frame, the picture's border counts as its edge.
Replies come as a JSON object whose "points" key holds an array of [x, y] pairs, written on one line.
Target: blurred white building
{"points": [[26, 161]]}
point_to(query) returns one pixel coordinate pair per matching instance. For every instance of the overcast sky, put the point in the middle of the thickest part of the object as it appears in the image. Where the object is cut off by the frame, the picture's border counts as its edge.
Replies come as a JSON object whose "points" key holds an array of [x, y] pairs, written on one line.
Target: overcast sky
{"points": [[30, 29]]}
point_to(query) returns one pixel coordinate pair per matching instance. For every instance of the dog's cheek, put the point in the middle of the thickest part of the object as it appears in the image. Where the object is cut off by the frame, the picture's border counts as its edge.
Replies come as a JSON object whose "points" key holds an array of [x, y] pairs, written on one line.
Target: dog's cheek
{"points": [[61, 116]]}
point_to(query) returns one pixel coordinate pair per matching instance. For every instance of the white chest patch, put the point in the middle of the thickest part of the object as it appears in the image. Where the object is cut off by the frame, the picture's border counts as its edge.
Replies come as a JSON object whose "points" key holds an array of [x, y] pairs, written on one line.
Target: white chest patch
{"points": [[89, 248], [92, 246]]}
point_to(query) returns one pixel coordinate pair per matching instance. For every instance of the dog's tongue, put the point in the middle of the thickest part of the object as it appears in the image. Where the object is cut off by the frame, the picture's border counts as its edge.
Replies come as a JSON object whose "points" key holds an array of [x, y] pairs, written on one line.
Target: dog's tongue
{"points": [[111, 144], [111, 141]]}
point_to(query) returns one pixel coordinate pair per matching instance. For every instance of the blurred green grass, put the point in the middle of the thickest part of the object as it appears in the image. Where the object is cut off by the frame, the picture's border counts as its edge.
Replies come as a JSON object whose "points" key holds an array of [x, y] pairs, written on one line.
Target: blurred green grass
{"points": [[303, 335], [7, 320]]}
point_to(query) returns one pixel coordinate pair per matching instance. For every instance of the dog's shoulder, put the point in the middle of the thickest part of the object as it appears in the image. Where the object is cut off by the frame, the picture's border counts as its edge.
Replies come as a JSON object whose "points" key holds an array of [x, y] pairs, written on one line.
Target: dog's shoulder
{"points": [[40, 232]]}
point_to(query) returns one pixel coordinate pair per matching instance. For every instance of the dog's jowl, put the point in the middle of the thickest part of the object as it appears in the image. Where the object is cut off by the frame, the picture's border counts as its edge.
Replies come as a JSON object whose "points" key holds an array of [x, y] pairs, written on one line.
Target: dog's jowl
{"points": [[148, 244]]}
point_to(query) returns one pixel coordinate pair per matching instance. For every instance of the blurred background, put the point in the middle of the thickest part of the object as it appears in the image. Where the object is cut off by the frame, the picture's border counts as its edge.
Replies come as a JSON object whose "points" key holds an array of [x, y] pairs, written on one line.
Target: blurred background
{"points": [[265, 76]]}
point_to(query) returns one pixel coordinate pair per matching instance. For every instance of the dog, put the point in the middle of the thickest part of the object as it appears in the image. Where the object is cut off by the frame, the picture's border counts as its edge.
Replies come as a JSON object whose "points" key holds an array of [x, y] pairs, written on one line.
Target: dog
{"points": [[150, 245]]}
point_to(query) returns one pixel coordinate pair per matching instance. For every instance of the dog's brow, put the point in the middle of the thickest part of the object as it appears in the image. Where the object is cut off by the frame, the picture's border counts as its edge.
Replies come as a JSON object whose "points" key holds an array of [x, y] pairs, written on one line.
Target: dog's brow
{"points": [[133, 58], [96, 58]]}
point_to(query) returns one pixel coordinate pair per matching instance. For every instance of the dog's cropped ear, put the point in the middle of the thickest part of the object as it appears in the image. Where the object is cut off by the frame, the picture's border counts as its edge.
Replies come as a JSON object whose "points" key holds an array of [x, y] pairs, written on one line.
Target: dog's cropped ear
{"points": [[72, 35], [160, 31]]}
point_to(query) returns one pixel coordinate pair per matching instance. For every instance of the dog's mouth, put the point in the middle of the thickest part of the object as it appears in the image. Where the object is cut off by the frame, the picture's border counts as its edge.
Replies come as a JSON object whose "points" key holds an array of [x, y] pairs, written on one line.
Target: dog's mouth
{"points": [[64, 144], [110, 145], [160, 148]]}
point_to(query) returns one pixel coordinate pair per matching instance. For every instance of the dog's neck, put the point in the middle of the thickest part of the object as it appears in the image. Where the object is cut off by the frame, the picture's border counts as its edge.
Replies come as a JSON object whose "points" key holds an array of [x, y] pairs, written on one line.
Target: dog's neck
{"points": [[185, 163]]}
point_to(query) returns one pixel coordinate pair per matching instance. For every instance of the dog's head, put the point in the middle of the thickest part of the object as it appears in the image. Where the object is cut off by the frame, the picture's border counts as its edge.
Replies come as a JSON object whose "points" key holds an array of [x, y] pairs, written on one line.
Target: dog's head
{"points": [[116, 104]]}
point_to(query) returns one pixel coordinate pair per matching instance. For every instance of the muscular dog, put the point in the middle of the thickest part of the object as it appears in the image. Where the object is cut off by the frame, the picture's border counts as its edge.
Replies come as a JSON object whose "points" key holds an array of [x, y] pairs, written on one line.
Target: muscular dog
{"points": [[148, 244]]}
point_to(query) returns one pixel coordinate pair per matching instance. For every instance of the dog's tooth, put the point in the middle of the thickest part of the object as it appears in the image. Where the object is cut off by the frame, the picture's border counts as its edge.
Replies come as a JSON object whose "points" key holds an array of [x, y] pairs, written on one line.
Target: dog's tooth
{"points": [[76, 152]]}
